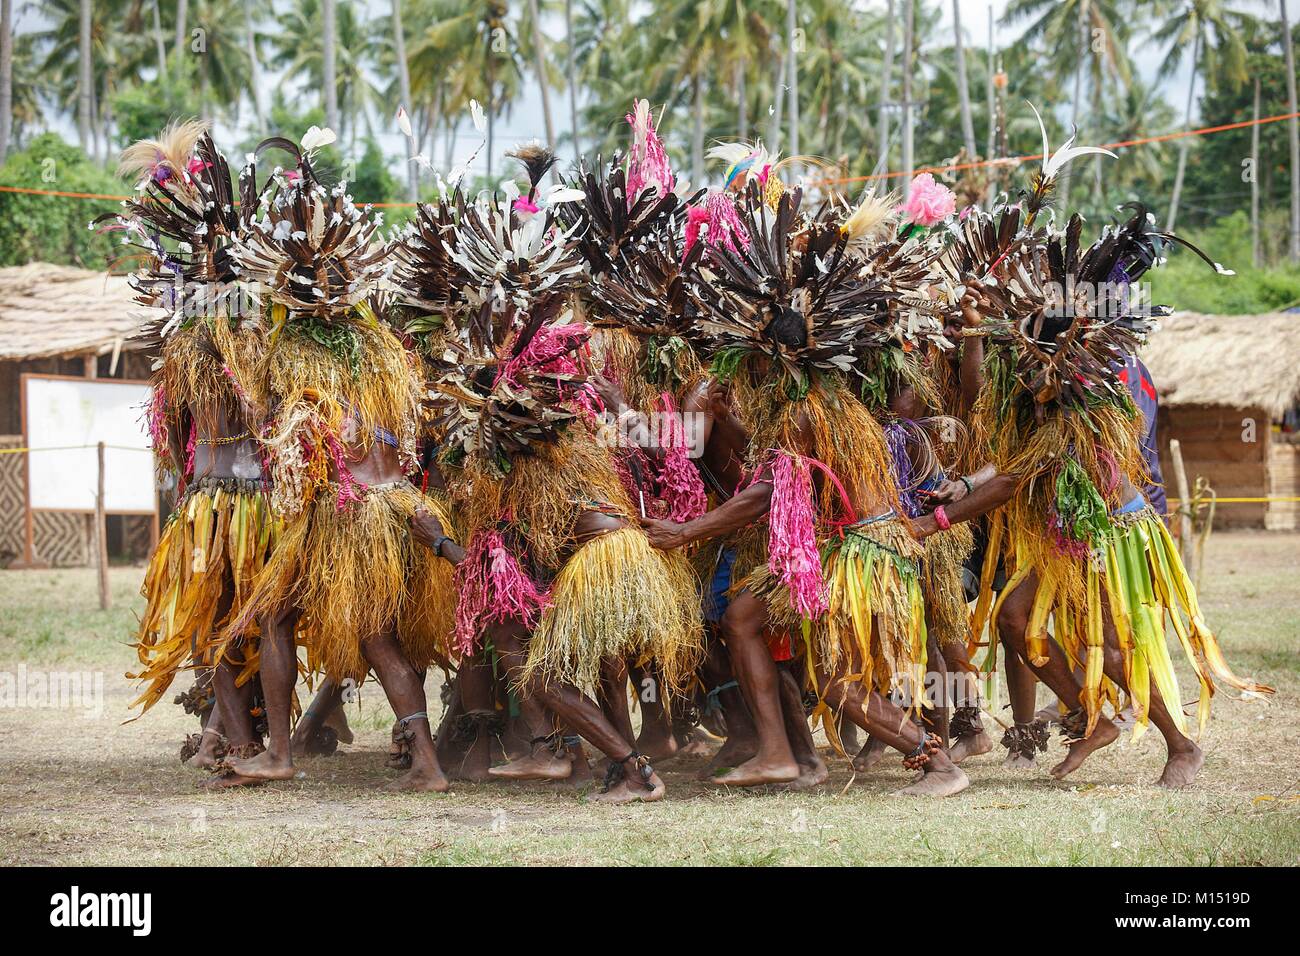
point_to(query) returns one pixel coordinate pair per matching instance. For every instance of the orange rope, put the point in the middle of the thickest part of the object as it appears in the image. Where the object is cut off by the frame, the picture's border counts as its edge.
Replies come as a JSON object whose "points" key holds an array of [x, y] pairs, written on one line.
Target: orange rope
{"points": [[951, 167], [1017, 160]]}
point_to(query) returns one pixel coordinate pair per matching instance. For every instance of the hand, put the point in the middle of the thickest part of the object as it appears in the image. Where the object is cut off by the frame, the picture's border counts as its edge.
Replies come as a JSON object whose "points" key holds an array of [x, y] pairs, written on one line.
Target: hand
{"points": [[924, 526], [610, 393], [426, 529], [945, 493], [664, 535]]}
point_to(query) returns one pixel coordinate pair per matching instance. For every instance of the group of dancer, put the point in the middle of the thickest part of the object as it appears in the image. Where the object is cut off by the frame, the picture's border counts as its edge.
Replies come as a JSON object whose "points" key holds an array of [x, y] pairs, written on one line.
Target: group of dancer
{"points": [[754, 457]]}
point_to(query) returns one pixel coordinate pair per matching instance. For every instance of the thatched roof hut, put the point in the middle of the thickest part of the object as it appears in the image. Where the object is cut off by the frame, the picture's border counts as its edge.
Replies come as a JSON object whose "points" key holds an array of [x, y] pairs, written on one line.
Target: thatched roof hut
{"points": [[48, 311], [1229, 387], [58, 320]]}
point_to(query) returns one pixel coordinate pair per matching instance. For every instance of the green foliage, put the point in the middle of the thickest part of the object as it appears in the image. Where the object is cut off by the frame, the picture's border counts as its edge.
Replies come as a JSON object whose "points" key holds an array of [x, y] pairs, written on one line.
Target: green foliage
{"points": [[1185, 282], [38, 228], [141, 112]]}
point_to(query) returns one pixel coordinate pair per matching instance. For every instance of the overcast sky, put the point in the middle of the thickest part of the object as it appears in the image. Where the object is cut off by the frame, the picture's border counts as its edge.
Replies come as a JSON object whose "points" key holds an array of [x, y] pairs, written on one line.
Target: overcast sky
{"points": [[524, 121]]}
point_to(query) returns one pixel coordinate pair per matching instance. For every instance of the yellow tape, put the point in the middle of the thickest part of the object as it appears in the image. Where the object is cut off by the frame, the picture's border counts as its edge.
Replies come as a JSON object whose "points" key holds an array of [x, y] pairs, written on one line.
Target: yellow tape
{"points": [[19, 451]]}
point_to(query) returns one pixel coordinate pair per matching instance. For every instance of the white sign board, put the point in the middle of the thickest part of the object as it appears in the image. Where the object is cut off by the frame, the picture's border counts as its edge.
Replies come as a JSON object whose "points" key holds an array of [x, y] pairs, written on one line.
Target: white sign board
{"points": [[62, 412]]}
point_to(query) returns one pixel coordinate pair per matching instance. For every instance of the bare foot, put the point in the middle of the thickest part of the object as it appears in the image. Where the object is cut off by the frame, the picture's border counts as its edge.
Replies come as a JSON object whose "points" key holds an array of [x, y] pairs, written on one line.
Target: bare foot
{"points": [[810, 776], [734, 752], [941, 782], [1018, 761], [971, 745], [541, 764], [699, 745], [421, 779], [208, 752], [756, 773], [227, 781], [1051, 714], [659, 747], [1182, 767], [264, 766], [869, 755], [629, 790], [1104, 733]]}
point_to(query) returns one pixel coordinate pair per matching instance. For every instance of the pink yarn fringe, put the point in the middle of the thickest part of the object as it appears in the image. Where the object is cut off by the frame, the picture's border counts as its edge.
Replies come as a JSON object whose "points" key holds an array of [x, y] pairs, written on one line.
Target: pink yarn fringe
{"points": [[348, 485], [792, 538], [156, 418], [547, 354], [680, 484], [723, 224], [647, 162], [492, 588]]}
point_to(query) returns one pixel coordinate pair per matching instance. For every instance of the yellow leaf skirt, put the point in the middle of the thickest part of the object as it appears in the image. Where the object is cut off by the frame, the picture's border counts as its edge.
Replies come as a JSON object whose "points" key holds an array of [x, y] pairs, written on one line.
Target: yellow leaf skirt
{"points": [[618, 597], [874, 629], [1139, 569], [945, 600], [356, 573], [199, 578]]}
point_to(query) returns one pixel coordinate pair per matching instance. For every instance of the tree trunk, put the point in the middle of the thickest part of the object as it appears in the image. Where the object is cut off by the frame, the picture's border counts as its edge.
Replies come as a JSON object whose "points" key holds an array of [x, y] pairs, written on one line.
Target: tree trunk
{"points": [[6, 76], [404, 90], [791, 24], [697, 132], [158, 40], [963, 90], [254, 69], [181, 12], [991, 92], [571, 78], [742, 106], [1063, 188], [1294, 126], [84, 92], [329, 37], [539, 56], [1176, 195], [1255, 255], [886, 81], [778, 103], [908, 161]]}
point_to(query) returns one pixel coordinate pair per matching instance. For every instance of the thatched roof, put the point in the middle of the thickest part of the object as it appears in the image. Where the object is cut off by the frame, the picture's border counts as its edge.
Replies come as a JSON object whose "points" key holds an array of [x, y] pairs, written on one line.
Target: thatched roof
{"points": [[50, 310], [1243, 361]]}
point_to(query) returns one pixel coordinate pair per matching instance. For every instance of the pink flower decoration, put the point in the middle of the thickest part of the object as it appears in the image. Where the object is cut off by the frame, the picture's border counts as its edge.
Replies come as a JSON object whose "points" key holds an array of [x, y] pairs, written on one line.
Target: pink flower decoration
{"points": [[524, 204], [928, 203]]}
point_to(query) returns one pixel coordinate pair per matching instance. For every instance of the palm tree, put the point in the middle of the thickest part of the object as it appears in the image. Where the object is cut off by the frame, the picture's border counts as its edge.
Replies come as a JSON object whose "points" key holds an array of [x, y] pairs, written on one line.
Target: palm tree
{"points": [[85, 78], [886, 84], [1066, 29], [1214, 32], [404, 86], [254, 66], [571, 77], [963, 92], [478, 53], [791, 24], [1293, 132], [539, 60], [6, 76], [908, 163], [329, 45], [297, 51], [181, 14]]}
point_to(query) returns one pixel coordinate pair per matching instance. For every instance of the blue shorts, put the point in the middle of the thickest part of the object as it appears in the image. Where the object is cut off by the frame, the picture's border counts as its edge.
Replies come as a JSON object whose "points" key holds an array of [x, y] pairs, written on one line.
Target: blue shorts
{"points": [[716, 600]]}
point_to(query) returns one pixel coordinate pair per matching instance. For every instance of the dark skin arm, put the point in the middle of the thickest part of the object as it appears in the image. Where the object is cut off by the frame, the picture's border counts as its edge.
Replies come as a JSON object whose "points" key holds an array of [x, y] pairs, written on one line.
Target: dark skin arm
{"points": [[737, 512], [972, 353], [987, 497], [427, 529]]}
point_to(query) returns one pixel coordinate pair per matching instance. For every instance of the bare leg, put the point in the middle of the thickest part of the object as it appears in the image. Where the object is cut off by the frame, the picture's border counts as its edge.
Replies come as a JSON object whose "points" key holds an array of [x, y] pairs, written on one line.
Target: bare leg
{"points": [[889, 724], [1013, 623], [656, 739], [279, 671], [405, 691], [577, 711], [307, 736], [1028, 735], [967, 727], [742, 737], [743, 627], [465, 745], [812, 769]]}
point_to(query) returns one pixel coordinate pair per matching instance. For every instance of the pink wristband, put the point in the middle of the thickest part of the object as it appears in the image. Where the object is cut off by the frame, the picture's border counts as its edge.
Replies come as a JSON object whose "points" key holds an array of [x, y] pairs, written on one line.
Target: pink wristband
{"points": [[941, 518]]}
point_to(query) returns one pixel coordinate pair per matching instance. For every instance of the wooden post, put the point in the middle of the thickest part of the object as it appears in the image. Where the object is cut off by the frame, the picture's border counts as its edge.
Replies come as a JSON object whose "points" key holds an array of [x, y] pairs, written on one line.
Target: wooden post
{"points": [[1184, 504], [101, 538]]}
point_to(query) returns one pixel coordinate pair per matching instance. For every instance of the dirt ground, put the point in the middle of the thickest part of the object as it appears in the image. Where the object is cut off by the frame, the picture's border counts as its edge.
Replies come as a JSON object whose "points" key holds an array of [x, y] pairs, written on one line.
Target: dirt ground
{"points": [[78, 785]]}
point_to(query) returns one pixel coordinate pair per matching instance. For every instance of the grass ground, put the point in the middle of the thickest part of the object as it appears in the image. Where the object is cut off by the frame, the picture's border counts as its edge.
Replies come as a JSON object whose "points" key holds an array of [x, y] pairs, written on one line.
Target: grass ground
{"points": [[78, 789]]}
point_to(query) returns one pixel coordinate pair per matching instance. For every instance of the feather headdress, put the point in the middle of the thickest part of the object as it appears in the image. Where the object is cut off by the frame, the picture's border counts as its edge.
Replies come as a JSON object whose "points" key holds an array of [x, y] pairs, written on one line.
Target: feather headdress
{"points": [[647, 163], [182, 223], [796, 296], [308, 248]]}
